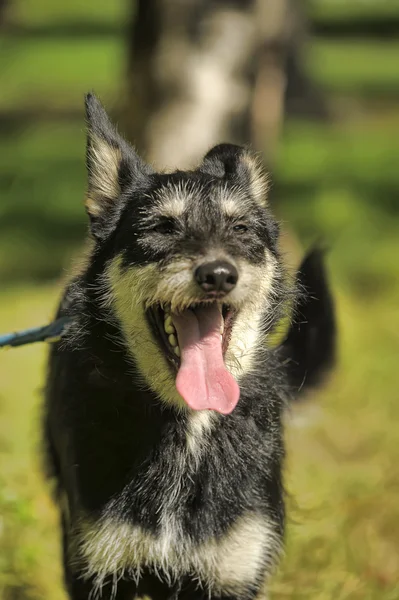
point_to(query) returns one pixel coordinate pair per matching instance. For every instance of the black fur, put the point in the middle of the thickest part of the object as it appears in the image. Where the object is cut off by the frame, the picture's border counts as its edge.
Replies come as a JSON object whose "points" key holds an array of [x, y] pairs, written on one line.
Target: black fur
{"points": [[118, 453]]}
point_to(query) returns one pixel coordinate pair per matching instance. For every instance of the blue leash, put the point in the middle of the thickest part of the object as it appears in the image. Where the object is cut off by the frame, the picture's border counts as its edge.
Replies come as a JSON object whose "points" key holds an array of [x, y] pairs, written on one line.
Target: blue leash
{"points": [[48, 333]]}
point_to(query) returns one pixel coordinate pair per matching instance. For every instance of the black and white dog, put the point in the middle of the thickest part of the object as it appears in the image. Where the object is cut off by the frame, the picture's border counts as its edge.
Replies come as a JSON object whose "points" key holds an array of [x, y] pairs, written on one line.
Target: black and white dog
{"points": [[164, 401]]}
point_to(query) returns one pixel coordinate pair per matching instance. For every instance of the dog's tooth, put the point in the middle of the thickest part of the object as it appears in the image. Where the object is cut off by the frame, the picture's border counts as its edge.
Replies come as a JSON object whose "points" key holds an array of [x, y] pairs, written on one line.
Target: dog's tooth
{"points": [[172, 340], [168, 325], [176, 350]]}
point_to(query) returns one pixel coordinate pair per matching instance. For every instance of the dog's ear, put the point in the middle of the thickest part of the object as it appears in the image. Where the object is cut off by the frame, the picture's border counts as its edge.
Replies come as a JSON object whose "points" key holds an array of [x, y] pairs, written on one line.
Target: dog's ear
{"points": [[112, 165], [242, 167]]}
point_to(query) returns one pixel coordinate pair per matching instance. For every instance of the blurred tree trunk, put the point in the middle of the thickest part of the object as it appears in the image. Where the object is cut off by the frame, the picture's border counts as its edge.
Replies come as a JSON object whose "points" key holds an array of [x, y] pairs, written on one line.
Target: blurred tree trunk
{"points": [[205, 71], [4, 5], [191, 77]]}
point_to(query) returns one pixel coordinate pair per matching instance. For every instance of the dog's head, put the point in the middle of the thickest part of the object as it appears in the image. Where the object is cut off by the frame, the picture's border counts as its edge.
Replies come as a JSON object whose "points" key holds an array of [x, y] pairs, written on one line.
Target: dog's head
{"points": [[188, 263]]}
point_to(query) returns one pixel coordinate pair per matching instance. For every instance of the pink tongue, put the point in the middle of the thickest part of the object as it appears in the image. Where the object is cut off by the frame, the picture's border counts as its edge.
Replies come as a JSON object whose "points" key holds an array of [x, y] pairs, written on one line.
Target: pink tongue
{"points": [[203, 380]]}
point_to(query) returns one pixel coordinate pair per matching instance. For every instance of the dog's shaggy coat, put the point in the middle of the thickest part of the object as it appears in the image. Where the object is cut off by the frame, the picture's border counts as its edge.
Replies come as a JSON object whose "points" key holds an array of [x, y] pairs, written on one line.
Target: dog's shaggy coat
{"points": [[158, 499]]}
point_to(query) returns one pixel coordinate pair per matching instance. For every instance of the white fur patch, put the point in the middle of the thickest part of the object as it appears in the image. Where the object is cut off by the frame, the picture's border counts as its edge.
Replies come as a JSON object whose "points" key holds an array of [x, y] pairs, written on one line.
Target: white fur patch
{"points": [[103, 175], [199, 424], [237, 200], [245, 339], [231, 207], [258, 178], [172, 200], [226, 565], [234, 200]]}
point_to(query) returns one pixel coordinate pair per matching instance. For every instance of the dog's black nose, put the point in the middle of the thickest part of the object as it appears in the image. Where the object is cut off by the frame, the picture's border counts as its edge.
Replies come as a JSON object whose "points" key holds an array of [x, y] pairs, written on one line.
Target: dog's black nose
{"points": [[216, 276]]}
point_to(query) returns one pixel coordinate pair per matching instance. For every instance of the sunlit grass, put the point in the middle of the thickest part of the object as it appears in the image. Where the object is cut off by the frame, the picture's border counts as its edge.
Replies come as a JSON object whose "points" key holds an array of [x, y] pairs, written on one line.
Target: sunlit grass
{"points": [[342, 478], [29, 548]]}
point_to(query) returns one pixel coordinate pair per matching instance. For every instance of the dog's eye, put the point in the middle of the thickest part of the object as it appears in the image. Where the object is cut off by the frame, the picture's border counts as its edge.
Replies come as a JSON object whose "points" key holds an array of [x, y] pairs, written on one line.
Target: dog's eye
{"points": [[165, 226], [240, 228]]}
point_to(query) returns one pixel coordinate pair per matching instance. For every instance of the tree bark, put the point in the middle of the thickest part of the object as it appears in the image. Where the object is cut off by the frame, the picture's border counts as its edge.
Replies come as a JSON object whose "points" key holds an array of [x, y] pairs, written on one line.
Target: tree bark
{"points": [[205, 71]]}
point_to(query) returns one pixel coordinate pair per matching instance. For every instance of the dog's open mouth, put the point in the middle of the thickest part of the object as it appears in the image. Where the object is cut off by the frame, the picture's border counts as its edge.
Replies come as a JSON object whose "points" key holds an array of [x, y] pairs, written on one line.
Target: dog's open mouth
{"points": [[195, 342]]}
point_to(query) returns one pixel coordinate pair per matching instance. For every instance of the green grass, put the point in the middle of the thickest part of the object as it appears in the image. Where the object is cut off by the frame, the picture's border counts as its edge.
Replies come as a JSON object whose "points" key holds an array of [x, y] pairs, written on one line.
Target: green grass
{"points": [[29, 548], [343, 514]]}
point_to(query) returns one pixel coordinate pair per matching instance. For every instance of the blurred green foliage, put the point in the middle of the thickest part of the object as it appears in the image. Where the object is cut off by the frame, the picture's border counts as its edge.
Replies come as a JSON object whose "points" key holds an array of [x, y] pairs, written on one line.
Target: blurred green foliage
{"points": [[37, 13], [336, 181], [356, 10], [52, 73], [354, 66]]}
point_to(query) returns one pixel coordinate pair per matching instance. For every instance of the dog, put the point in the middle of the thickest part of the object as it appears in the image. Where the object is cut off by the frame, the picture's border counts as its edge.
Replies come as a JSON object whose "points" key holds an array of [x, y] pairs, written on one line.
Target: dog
{"points": [[164, 399]]}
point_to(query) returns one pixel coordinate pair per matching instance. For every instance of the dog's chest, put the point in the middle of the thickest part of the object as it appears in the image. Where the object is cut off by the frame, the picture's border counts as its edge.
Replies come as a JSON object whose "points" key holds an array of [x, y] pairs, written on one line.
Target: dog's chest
{"points": [[225, 564], [221, 561]]}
